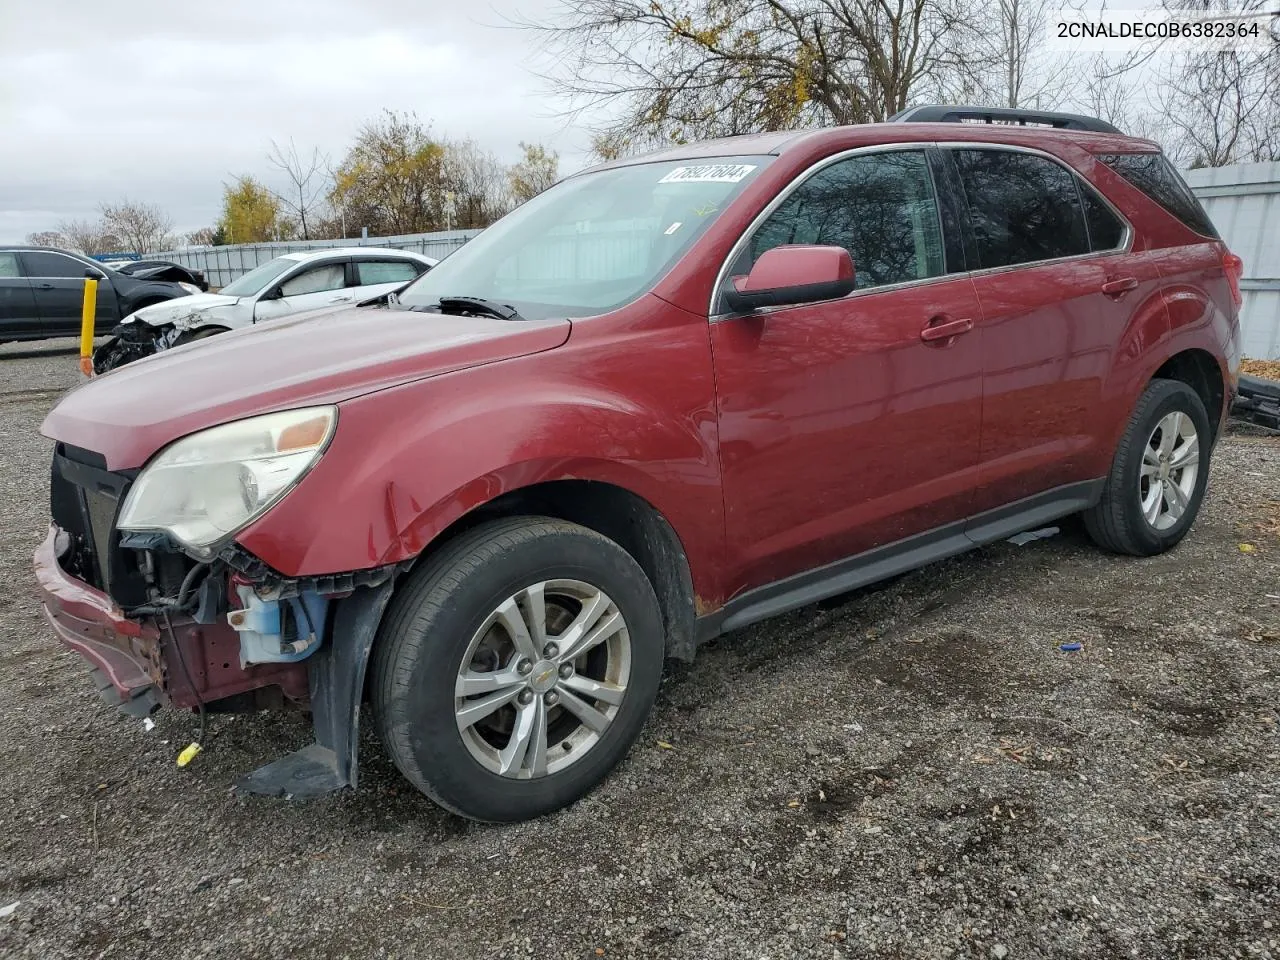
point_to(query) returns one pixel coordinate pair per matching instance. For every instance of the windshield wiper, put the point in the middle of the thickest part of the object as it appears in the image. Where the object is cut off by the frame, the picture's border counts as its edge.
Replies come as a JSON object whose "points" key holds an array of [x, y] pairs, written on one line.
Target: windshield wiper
{"points": [[479, 305]]}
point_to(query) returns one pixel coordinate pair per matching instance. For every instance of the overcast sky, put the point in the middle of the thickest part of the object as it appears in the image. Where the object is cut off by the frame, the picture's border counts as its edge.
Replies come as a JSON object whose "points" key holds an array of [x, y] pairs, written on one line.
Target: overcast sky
{"points": [[161, 100]]}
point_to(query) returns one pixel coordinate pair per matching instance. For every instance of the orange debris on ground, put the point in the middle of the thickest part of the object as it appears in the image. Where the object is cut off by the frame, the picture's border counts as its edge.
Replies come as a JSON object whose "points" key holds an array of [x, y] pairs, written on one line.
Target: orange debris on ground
{"points": [[1270, 369]]}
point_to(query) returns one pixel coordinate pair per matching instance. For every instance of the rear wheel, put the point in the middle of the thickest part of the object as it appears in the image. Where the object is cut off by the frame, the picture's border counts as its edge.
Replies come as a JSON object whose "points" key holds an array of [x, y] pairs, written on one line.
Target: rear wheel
{"points": [[515, 670], [1157, 480]]}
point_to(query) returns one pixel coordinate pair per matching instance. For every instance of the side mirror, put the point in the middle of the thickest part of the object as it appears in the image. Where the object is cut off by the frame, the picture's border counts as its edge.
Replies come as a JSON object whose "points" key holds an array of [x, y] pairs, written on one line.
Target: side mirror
{"points": [[94, 273], [792, 274], [275, 293]]}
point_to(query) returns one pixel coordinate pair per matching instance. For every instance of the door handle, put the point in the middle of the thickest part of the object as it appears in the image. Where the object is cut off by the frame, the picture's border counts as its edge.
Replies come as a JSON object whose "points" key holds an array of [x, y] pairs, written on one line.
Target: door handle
{"points": [[340, 300], [1119, 287], [46, 286], [939, 329]]}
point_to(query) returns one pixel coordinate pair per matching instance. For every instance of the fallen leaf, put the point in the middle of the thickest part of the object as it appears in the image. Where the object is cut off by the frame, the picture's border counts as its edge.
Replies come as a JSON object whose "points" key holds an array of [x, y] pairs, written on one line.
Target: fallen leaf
{"points": [[1247, 548], [794, 803], [664, 745]]}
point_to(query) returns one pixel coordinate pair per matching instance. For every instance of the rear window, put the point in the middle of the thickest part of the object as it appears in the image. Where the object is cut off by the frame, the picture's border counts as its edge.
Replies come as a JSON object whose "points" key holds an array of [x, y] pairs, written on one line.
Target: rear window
{"points": [[1024, 208], [1154, 175]]}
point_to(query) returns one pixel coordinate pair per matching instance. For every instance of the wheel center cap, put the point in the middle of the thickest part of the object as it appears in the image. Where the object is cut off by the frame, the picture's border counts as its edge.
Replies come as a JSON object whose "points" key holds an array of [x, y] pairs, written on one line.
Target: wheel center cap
{"points": [[543, 676], [1164, 471]]}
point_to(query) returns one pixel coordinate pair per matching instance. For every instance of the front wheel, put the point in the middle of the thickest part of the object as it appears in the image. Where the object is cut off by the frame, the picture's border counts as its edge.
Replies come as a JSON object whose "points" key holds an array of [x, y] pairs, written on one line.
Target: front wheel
{"points": [[514, 670], [1157, 480]]}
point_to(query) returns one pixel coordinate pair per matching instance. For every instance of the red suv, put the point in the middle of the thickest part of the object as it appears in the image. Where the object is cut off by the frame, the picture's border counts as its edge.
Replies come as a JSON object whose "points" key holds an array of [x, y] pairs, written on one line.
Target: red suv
{"points": [[669, 397]]}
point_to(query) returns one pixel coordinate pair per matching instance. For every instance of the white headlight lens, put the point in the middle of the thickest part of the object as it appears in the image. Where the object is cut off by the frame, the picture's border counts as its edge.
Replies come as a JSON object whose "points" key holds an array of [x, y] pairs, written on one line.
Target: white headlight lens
{"points": [[189, 287], [208, 486]]}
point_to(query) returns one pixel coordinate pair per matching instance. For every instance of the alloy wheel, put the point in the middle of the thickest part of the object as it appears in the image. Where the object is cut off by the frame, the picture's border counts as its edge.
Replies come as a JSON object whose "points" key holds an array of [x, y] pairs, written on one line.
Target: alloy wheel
{"points": [[542, 679], [1170, 466]]}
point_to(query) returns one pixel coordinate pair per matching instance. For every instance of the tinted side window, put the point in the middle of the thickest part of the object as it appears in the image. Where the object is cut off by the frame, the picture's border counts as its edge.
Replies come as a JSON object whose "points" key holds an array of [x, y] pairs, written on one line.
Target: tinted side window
{"points": [[879, 206], [331, 276], [1023, 208], [9, 266], [1154, 175], [369, 272], [53, 265], [1106, 230]]}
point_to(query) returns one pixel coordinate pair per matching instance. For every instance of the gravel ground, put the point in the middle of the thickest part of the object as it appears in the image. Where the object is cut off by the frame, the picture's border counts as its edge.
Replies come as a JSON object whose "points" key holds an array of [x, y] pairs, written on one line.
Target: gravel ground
{"points": [[913, 771]]}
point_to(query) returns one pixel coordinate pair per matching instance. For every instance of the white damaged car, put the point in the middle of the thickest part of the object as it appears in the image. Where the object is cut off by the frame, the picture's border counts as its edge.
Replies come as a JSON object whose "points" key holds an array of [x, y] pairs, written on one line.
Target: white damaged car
{"points": [[285, 286]]}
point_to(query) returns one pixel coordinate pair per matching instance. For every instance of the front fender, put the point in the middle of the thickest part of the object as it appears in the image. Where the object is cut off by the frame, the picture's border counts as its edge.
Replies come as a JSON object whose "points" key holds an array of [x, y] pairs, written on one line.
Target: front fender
{"points": [[407, 462]]}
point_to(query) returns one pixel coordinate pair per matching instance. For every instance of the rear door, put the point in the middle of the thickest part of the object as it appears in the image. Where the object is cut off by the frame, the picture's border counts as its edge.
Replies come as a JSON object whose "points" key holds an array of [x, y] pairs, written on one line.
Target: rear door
{"points": [[18, 317], [374, 277], [314, 286], [1057, 287]]}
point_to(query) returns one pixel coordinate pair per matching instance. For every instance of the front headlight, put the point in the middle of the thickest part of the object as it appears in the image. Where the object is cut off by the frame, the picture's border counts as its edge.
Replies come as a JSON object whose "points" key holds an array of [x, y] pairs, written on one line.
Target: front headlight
{"points": [[189, 287], [207, 487]]}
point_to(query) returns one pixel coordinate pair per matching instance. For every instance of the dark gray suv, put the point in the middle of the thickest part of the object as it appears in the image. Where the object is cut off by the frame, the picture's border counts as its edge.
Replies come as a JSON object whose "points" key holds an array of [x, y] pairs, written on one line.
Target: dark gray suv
{"points": [[42, 292]]}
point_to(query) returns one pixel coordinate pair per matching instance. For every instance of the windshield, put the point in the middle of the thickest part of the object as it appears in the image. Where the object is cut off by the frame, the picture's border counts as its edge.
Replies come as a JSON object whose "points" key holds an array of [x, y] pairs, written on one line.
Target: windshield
{"points": [[591, 243], [257, 278]]}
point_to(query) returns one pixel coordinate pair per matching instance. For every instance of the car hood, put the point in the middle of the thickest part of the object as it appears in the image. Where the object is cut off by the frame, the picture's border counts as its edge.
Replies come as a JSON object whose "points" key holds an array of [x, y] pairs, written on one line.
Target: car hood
{"points": [[323, 357], [184, 312]]}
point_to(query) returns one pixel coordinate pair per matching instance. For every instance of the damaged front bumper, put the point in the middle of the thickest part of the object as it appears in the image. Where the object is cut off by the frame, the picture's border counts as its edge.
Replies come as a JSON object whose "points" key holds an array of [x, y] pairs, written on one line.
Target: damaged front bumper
{"points": [[139, 659], [143, 663]]}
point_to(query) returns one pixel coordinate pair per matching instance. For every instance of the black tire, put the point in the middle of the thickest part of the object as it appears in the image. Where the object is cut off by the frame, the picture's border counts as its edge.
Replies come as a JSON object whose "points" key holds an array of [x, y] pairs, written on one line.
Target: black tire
{"points": [[191, 336], [429, 627], [1116, 522]]}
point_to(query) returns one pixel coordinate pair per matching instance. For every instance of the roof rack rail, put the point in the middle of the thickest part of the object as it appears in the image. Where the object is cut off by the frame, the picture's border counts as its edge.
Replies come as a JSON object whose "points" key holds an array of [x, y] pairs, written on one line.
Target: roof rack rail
{"points": [[940, 113]]}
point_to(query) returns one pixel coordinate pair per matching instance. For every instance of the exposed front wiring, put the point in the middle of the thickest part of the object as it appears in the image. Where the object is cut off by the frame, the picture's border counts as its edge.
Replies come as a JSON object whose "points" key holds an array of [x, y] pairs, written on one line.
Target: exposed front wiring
{"points": [[187, 755]]}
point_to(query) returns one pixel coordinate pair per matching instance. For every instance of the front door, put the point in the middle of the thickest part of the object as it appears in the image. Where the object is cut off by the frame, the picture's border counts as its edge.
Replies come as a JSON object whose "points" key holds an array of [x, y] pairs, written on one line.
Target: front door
{"points": [[57, 282], [843, 427], [312, 287]]}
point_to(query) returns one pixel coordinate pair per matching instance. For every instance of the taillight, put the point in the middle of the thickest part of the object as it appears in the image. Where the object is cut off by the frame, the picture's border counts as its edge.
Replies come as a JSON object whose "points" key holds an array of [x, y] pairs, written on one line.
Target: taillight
{"points": [[1234, 268]]}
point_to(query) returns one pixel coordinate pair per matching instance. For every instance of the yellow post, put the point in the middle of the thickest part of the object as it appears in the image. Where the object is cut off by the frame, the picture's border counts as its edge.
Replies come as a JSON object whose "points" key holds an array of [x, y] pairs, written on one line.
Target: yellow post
{"points": [[87, 310]]}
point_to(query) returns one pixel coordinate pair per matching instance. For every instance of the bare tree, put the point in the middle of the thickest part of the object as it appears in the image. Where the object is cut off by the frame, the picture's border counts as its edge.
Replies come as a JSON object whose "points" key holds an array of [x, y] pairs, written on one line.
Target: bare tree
{"points": [[1024, 72], [474, 186], [46, 238], [309, 183], [1208, 107], [1223, 106], [673, 70], [141, 227], [88, 237]]}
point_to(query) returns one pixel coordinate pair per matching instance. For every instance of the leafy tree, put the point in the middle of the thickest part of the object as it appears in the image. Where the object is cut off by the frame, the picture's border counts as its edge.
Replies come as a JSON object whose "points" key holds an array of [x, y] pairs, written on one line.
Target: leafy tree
{"points": [[537, 171], [391, 179], [250, 212]]}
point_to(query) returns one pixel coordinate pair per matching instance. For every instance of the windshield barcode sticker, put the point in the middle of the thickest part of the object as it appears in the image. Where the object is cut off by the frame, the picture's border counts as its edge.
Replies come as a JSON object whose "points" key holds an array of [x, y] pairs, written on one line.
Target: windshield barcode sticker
{"points": [[710, 173]]}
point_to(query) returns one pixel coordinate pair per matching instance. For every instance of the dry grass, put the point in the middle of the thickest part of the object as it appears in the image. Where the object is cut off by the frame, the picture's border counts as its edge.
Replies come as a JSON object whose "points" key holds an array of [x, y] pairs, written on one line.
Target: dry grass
{"points": [[1270, 369]]}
